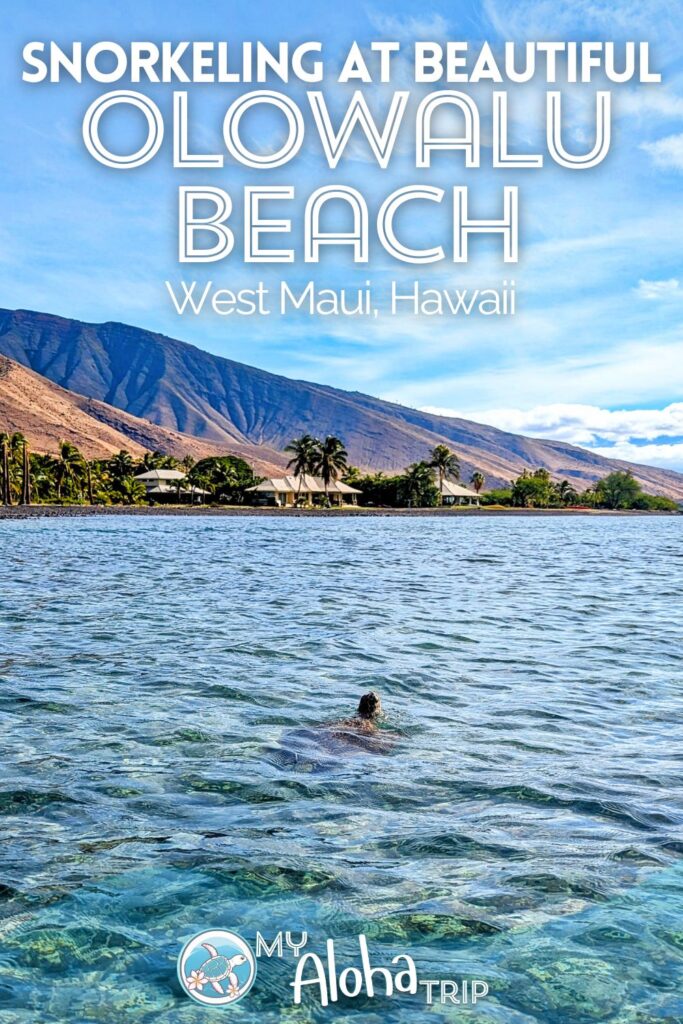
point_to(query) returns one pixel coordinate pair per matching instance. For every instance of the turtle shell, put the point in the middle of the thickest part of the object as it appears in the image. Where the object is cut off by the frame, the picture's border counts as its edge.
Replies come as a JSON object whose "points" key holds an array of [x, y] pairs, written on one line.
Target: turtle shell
{"points": [[216, 968]]}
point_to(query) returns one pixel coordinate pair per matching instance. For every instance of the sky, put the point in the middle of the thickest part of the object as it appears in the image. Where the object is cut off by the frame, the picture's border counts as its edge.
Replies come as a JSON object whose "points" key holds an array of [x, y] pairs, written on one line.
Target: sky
{"points": [[594, 355]]}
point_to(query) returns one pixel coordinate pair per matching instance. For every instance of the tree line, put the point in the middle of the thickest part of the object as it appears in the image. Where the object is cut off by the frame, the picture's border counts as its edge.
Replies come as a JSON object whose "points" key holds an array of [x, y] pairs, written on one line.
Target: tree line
{"points": [[618, 490], [419, 486], [68, 477]]}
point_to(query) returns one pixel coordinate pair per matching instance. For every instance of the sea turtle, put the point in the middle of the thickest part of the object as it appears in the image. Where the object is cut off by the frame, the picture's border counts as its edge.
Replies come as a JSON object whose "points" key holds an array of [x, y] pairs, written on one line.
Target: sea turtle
{"points": [[301, 748], [217, 968]]}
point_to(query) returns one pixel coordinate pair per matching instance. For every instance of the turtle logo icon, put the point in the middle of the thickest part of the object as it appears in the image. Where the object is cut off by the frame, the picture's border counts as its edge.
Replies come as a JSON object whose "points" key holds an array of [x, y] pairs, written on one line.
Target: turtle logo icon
{"points": [[216, 968]]}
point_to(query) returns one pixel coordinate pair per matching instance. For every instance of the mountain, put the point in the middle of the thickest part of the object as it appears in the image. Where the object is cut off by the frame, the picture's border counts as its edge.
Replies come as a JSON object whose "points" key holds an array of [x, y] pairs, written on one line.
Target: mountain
{"points": [[47, 414], [226, 404]]}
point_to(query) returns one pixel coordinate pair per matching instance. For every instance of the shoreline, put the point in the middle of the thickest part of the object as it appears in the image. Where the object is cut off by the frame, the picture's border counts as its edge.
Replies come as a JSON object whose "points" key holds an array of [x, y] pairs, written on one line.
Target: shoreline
{"points": [[21, 512]]}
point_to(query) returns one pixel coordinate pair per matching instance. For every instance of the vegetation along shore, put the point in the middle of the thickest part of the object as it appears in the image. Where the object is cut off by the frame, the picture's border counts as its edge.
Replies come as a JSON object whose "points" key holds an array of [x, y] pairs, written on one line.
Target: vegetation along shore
{"points": [[320, 478]]}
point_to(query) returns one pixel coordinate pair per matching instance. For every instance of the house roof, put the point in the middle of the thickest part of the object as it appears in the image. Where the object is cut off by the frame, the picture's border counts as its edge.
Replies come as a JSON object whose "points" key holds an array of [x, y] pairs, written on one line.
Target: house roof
{"points": [[161, 474], [451, 490], [309, 485], [160, 489]]}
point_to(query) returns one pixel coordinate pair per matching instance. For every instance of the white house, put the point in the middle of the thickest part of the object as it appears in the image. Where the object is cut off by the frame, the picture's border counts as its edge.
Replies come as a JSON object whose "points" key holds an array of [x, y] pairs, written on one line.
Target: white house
{"points": [[168, 483], [456, 494], [287, 490], [162, 481]]}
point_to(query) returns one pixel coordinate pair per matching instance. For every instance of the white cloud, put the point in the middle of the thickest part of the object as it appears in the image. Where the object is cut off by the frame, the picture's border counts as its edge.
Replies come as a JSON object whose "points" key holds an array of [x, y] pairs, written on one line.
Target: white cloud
{"points": [[548, 19], [582, 424], [642, 102], [667, 153], [591, 427], [666, 456], [659, 290], [427, 26]]}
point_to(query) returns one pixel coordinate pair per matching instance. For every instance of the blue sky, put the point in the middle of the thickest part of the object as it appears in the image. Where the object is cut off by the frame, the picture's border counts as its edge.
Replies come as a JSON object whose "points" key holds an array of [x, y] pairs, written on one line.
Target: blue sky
{"points": [[595, 355]]}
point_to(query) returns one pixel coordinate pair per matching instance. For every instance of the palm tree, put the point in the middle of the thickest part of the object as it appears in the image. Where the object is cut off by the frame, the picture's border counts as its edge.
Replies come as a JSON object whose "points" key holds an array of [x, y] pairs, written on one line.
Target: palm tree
{"points": [[566, 493], [98, 481], [16, 445], [303, 461], [88, 471], [25, 475], [4, 447], [197, 479], [187, 462], [477, 480], [43, 475], [131, 491], [331, 460], [69, 464], [121, 467], [416, 481], [222, 478], [446, 463], [152, 460]]}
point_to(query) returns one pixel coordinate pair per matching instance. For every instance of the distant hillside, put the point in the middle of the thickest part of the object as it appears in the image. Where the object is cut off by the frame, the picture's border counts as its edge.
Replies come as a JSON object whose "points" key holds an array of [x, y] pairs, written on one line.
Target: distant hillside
{"points": [[226, 404], [47, 414]]}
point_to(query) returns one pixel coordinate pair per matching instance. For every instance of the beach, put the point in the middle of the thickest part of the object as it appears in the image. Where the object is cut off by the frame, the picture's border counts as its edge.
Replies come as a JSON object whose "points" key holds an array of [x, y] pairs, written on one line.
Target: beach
{"points": [[16, 512]]}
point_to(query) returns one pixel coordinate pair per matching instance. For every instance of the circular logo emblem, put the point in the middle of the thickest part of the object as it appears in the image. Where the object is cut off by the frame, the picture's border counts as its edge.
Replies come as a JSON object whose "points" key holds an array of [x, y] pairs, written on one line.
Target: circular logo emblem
{"points": [[216, 968]]}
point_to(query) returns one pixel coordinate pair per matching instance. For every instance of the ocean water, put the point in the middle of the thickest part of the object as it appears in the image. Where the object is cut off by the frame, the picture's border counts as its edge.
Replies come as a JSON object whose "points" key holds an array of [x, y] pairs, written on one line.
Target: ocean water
{"points": [[165, 686]]}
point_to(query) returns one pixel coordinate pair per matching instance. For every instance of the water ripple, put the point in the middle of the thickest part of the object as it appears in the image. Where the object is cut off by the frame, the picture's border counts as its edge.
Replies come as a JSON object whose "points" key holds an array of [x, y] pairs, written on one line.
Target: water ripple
{"points": [[164, 689]]}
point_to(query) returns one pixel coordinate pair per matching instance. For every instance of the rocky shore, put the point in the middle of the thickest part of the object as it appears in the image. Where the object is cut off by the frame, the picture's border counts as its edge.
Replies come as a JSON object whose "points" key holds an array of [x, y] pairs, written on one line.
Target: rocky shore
{"points": [[17, 512]]}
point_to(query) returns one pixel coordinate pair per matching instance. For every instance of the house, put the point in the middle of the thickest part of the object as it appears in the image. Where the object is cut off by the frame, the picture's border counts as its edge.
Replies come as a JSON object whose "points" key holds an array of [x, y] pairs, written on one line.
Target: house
{"points": [[456, 494], [167, 483], [287, 490], [162, 481]]}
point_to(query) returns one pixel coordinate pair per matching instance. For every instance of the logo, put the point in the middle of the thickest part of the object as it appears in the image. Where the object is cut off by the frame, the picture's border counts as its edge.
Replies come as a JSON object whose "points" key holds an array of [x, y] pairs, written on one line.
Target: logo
{"points": [[216, 968]]}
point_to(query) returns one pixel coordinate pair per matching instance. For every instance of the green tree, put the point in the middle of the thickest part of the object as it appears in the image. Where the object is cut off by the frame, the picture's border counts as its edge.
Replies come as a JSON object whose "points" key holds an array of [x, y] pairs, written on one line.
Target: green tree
{"points": [[12, 466], [69, 468], [304, 452], [5, 458], [445, 462], [226, 477], [331, 461], [566, 493], [152, 460], [17, 446], [121, 467], [352, 476], [618, 490], [417, 488], [656, 503], [199, 481], [25, 474], [378, 489], [497, 496], [533, 490], [131, 491], [42, 476], [477, 480]]}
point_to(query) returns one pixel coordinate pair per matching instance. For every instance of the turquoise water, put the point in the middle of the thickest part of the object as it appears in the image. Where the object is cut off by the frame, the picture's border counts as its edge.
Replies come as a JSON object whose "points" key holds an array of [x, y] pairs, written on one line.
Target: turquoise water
{"points": [[162, 688]]}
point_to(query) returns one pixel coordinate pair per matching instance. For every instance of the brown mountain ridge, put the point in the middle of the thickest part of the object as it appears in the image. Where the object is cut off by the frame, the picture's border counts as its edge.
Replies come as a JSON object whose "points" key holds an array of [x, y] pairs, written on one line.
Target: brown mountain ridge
{"points": [[229, 406], [47, 414]]}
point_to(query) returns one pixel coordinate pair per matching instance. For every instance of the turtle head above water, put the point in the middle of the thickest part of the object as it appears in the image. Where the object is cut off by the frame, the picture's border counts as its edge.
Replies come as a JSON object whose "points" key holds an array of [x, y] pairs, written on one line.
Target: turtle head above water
{"points": [[370, 706]]}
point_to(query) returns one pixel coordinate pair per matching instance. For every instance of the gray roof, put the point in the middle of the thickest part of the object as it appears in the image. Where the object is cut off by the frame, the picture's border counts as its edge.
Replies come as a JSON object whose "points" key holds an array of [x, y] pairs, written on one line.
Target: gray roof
{"points": [[160, 489], [451, 490], [161, 474], [307, 485]]}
